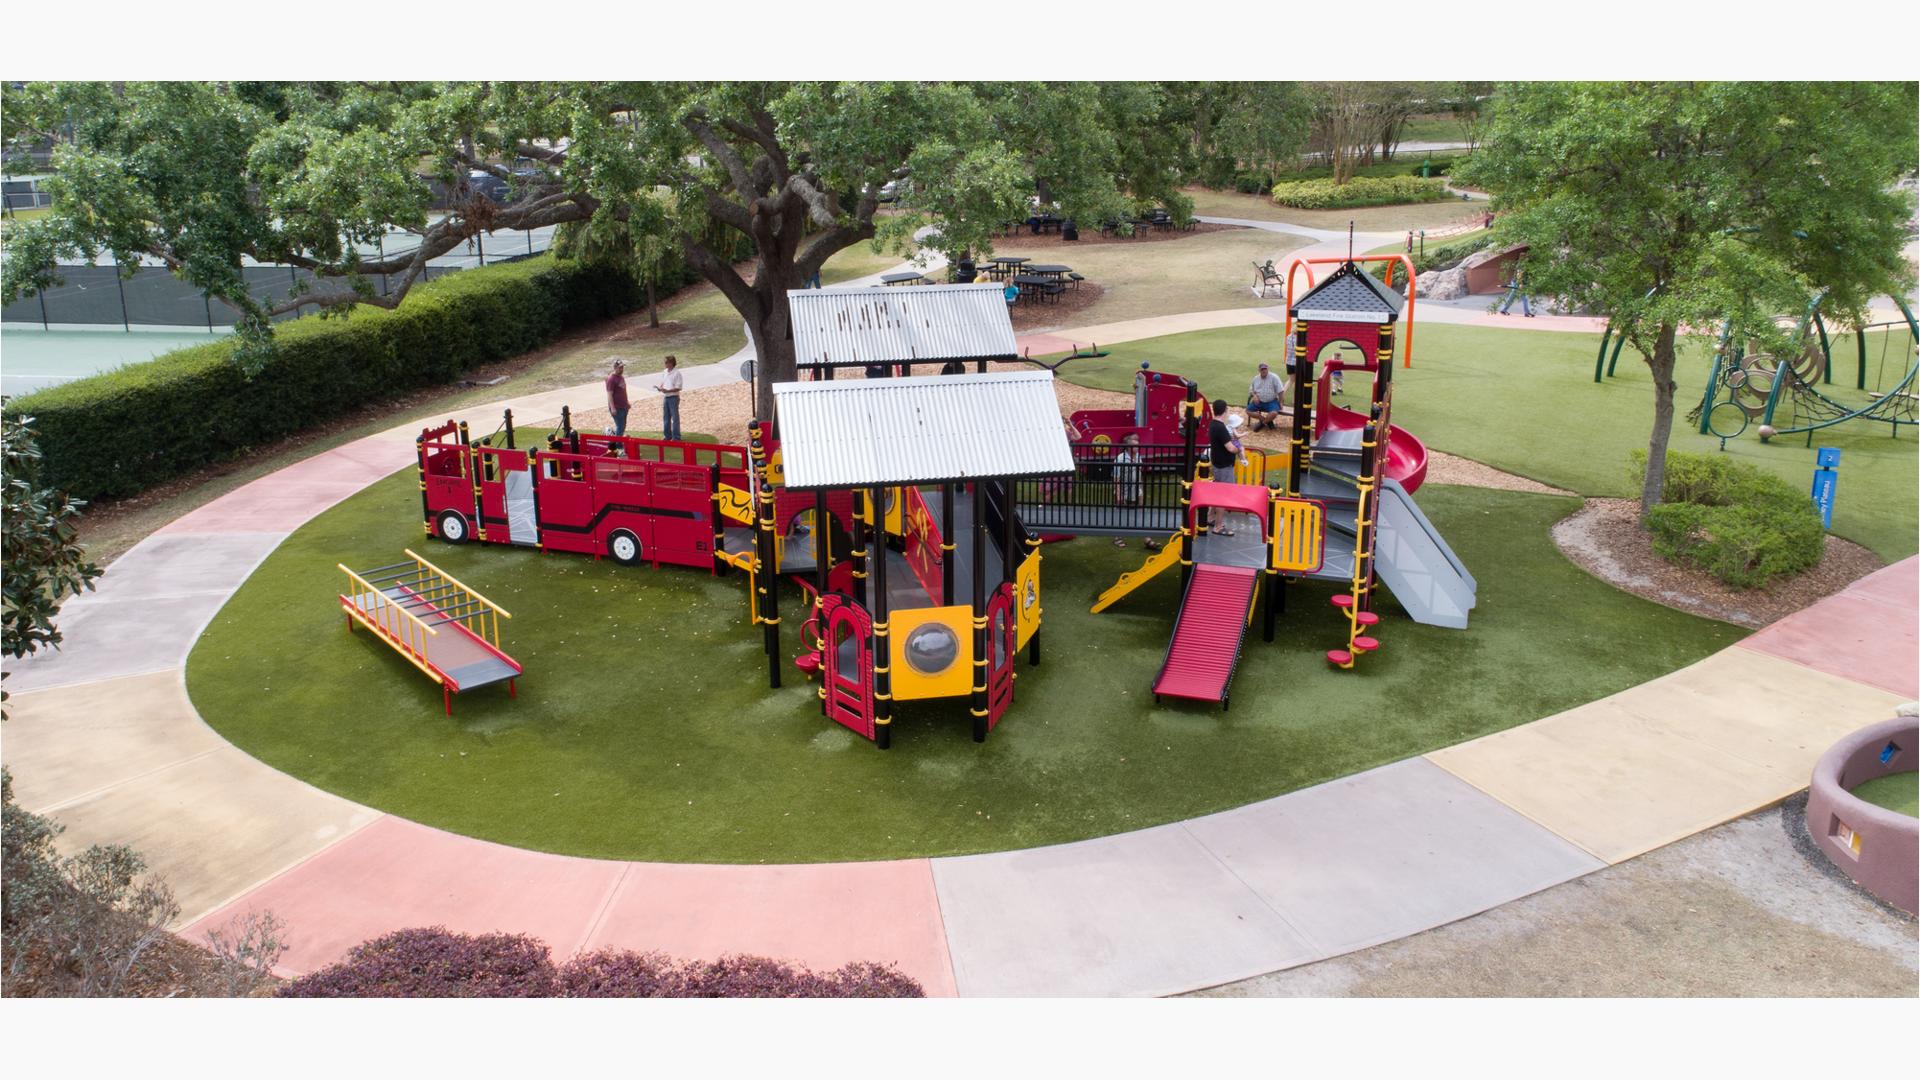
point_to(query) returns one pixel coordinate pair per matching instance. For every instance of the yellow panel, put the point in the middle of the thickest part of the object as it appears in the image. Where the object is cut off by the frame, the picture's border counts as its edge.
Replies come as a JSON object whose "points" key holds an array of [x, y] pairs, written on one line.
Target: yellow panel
{"points": [[954, 680], [1300, 533], [864, 509], [1026, 598], [776, 472], [735, 505]]}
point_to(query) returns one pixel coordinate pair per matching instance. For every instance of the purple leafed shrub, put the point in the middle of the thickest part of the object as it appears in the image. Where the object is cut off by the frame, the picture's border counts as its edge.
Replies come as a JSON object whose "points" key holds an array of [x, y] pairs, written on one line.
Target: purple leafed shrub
{"points": [[435, 962], [616, 973]]}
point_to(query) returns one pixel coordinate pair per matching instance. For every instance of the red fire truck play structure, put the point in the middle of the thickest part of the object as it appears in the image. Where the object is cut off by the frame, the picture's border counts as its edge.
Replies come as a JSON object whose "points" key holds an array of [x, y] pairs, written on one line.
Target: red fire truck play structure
{"points": [[634, 500]]}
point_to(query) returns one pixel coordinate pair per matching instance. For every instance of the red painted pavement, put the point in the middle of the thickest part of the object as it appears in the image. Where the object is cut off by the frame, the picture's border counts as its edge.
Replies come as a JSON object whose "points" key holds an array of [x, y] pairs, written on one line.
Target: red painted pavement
{"points": [[285, 500], [822, 915], [395, 874], [1868, 632]]}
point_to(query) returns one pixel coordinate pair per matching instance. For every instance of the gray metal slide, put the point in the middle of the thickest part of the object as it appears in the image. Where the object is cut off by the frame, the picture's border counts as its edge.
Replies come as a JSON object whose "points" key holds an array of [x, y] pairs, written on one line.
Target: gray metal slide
{"points": [[1411, 558]]}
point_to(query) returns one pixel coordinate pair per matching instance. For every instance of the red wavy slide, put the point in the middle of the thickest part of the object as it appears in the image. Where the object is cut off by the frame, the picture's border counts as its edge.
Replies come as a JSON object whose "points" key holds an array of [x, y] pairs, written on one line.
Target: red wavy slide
{"points": [[1207, 636]]}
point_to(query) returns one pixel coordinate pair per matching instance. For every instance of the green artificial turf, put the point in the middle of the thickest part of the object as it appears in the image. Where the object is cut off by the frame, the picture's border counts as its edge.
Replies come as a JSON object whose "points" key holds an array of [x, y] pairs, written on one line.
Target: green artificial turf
{"points": [[1525, 401], [644, 728], [1895, 791]]}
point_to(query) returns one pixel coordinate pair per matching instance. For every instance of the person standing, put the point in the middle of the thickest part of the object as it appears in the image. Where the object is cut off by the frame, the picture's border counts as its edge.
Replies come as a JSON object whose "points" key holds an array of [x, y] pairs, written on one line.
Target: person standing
{"points": [[669, 387], [1263, 399], [617, 404], [1225, 452]]}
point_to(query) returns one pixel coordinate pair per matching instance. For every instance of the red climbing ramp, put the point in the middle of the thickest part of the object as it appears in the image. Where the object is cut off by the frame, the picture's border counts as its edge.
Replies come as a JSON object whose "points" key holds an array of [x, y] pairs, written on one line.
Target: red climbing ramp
{"points": [[1206, 639]]}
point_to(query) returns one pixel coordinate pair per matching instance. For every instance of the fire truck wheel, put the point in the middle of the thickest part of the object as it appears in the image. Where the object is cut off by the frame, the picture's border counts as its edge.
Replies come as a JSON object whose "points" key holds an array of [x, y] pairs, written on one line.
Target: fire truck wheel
{"points": [[624, 547], [451, 527]]}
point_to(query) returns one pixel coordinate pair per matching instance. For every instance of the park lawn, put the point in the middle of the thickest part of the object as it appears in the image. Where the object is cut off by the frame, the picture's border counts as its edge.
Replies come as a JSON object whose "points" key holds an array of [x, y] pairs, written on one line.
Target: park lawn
{"points": [[1437, 127], [1366, 219], [643, 728], [859, 261], [1198, 272], [1525, 401]]}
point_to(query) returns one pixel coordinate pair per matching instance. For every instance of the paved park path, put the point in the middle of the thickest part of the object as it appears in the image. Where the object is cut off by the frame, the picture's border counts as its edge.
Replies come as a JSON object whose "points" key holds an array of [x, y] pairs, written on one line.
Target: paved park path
{"points": [[105, 739]]}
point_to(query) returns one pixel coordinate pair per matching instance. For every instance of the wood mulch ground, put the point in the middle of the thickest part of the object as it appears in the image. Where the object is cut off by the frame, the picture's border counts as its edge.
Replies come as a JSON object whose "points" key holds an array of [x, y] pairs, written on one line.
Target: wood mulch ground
{"points": [[1031, 315], [1604, 537]]}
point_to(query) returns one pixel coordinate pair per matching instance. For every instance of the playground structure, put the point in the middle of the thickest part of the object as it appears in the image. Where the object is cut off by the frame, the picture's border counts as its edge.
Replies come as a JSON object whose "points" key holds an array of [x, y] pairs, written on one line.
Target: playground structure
{"points": [[1758, 385], [927, 604], [1782, 393], [632, 499], [1344, 511], [910, 510], [447, 630]]}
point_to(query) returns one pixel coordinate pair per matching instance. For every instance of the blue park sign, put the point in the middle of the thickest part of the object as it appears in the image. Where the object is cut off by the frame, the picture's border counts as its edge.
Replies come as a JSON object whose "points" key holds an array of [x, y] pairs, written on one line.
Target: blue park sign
{"points": [[1825, 475]]}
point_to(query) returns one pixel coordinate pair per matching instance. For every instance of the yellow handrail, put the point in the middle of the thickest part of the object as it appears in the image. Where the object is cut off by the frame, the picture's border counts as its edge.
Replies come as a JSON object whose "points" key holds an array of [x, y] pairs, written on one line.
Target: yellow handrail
{"points": [[451, 580], [397, 625]]}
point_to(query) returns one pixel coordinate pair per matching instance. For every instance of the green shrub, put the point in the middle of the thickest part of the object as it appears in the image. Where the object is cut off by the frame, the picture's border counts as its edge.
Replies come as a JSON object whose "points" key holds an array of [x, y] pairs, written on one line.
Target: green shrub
{"points": [[1743, 525], [1359, 191], [122, 431]]}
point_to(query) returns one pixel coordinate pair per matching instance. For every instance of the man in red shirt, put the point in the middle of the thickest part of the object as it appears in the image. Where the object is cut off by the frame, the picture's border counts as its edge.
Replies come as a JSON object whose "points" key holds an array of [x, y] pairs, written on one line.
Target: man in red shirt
{"points": [[617, 397]]}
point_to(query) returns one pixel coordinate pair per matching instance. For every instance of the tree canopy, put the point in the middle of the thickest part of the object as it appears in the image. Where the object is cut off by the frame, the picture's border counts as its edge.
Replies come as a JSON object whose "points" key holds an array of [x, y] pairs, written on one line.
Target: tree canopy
{"points": [[1673, 207], [202, 176]]}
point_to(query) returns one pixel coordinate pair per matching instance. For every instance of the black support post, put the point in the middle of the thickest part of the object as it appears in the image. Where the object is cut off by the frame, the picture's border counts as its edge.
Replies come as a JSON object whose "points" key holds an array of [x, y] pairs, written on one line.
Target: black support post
{"points": [[1297, 459], [979, 602], [947, 545], [882, 632]]}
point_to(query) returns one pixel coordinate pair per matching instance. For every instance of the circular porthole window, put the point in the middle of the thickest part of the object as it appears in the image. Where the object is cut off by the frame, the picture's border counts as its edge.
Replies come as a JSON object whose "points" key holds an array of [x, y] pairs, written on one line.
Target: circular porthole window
{"points": [[932, 648]]}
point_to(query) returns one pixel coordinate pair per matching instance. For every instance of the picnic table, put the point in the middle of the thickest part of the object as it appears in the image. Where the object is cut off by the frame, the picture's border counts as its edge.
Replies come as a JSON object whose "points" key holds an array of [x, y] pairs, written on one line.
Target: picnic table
{"points": [[1004, 265], [1038, 285], [906, 277], [1048, 269]]}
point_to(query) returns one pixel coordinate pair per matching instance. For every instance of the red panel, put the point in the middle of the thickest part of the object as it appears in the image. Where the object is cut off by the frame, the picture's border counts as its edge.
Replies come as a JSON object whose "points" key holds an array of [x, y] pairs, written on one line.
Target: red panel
{"points": [[681, 502], [1003, 637], [849, 688], [1206, 639], [566, 506], [923, 545]]}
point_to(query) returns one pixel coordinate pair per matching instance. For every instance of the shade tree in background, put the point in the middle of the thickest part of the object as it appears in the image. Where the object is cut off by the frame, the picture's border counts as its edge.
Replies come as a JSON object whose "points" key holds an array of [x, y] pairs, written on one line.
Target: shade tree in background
{"points": [[1675, 206]]}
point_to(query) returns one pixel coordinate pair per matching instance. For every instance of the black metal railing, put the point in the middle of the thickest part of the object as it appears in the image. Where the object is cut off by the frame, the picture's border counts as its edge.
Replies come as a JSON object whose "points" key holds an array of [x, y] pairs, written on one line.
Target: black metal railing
{"points": [[1106, 495]]}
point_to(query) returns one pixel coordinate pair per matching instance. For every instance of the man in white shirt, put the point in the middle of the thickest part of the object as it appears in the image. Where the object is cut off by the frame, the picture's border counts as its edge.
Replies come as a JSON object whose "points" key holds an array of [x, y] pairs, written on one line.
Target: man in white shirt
{"points": [[1263, 399], [669, 387]]}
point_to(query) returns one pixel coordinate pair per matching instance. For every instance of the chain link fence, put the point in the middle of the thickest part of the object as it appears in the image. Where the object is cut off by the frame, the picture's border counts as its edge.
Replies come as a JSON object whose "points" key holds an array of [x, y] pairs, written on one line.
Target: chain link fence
{"points": [[100, 295]]}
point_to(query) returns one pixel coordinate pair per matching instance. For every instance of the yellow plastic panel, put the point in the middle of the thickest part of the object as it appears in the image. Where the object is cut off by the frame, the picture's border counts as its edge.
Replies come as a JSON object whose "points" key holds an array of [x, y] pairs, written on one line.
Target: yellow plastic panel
{"points": [[910, 683], [1026, 599]]}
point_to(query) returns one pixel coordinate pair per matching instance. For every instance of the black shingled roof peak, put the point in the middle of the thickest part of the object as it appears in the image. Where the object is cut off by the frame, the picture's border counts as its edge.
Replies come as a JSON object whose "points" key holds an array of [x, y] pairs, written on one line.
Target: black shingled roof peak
{"points": [[1350, 289]]}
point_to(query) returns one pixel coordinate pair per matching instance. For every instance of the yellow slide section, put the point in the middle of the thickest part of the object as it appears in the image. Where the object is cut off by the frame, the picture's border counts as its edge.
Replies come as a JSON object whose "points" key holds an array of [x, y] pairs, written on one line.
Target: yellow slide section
{"points": [[1133, 579]]}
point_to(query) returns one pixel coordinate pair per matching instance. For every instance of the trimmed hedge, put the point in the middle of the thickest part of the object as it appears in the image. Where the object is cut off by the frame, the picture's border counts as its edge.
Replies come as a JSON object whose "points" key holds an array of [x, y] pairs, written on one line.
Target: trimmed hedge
{"points": [[1743, 525], [120, 432], [436, 962], [1359, 191]]}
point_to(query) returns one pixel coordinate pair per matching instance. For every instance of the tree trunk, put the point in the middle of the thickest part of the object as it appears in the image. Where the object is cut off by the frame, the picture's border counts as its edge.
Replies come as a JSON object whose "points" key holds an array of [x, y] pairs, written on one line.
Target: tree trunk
{"points": [[653, 308], [1661, 364], [772, 339]]}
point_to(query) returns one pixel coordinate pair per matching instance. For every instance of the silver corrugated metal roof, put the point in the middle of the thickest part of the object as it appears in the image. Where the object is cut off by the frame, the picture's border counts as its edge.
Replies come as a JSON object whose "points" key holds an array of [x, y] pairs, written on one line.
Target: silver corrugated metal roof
{"points": [[917, 323], [852, 432]]}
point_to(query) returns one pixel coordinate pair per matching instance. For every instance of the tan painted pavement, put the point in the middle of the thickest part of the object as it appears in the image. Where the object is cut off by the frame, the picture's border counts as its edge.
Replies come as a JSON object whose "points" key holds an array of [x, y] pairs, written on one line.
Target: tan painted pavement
{"points": [[1668, 758]]}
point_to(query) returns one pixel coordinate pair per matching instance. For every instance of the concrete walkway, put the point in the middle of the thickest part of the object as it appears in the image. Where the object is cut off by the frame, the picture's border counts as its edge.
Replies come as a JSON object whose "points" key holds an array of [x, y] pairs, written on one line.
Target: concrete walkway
{"points": [[105, 738]]}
